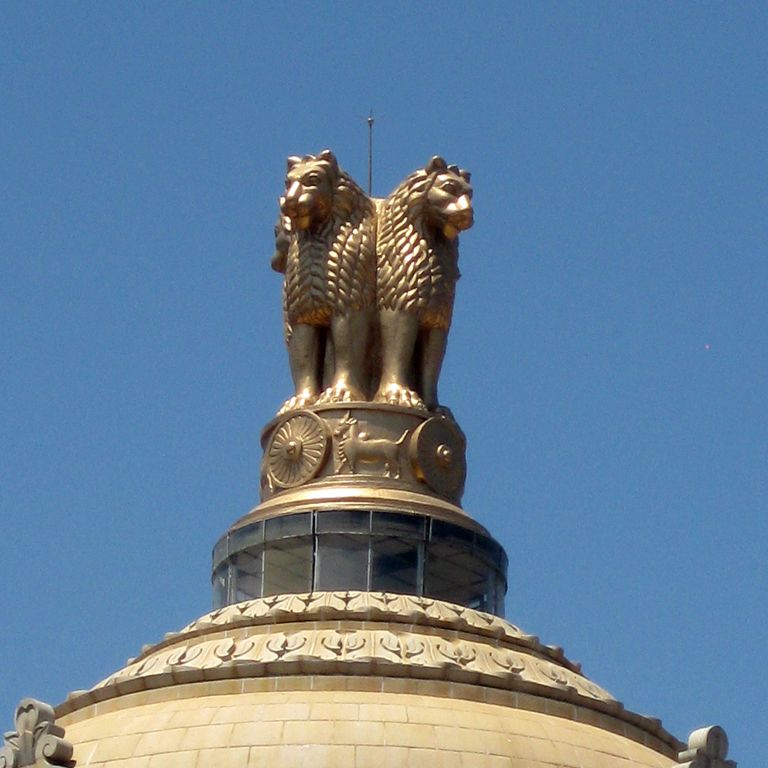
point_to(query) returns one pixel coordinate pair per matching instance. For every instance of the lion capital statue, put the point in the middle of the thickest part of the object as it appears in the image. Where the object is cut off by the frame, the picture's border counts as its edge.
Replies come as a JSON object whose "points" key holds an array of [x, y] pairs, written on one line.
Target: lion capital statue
{"points": [[325, 245], [417, 270]]}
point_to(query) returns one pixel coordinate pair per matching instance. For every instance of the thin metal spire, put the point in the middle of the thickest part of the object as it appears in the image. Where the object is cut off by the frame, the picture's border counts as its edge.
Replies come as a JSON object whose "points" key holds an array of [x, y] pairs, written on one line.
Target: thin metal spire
{"points": [[370, 152]]}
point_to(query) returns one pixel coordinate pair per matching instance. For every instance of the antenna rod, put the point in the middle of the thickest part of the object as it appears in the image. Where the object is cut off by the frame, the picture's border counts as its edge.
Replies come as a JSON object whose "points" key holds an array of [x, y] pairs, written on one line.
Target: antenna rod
{"points": [[370, 152]]}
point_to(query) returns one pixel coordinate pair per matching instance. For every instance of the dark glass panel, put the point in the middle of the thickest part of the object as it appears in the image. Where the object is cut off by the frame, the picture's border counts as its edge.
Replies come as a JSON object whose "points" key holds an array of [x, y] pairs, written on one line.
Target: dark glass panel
{"points": [[220, 551], [490, 550], [248, 577], [288, 525], [395, 566], [442, 531], [220, 583], [352, 521], [501, 591], [247, 536], [400, 524], [342, 561], [288, 566], [454, 574]]}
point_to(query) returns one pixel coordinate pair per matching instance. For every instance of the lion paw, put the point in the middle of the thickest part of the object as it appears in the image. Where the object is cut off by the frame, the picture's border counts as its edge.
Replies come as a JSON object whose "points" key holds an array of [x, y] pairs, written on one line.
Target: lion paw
{"points": [[302, 400], [394, 394], [341, 393]]}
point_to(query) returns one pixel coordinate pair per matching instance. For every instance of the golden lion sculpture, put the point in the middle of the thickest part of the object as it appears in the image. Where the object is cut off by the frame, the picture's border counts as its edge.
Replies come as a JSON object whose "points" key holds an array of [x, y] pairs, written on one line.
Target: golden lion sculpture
{"points": [[417, 270], [325, 245]]}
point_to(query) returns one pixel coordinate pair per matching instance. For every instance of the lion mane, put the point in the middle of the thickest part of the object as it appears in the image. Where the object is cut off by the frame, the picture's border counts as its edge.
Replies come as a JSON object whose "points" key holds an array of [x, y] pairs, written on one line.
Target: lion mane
{"points": [[330, 266], [417, 267]]}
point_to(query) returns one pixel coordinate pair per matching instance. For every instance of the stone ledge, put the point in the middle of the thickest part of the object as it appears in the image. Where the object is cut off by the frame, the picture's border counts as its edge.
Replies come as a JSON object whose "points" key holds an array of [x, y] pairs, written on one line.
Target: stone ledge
{"points": [[322, 695]]}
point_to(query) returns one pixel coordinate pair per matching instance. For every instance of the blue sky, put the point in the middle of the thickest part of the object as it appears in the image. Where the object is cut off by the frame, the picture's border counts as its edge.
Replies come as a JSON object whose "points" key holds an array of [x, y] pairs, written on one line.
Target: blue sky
{"points": [[607, 362]]}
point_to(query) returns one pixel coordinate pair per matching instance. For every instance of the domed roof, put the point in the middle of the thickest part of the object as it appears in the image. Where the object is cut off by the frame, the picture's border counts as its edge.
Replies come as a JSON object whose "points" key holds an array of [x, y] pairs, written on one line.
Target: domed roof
{"points": [[355, 678]]}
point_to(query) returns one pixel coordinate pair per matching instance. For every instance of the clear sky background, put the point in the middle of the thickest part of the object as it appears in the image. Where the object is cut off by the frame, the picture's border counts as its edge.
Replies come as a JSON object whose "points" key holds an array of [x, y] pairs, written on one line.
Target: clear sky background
{"points": [[608, 358]]}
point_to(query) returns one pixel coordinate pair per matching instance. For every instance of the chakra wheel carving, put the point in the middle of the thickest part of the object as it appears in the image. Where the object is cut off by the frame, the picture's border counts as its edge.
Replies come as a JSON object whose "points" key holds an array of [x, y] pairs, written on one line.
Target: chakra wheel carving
{"points": [[298, 449], [437, 456]]}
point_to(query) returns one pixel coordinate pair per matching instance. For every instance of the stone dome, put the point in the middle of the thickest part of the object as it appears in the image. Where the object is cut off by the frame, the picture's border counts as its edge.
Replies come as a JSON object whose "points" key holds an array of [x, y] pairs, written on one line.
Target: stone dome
{"points": [[355, 678]]}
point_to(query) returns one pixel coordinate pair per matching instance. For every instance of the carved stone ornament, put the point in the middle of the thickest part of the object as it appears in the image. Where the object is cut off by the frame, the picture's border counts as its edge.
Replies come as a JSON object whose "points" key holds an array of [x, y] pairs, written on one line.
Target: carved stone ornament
{"points": [[352, 633], [369, 285], [37, 739], [297, 450], [707, 748]]}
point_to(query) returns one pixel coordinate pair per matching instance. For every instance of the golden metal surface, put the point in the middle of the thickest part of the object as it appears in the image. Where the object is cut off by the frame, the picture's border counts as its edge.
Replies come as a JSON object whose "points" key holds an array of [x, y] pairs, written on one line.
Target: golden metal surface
{"points": [[325, 246], [368, 300], [332, 494], [374, 447], [416, 273], [437, 456], [297, 449]]}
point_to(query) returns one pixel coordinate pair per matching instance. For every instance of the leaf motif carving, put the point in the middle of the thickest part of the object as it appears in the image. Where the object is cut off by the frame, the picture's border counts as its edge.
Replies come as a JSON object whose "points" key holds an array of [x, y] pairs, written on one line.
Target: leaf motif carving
{"points": [[458, 653], [509, 662], [556, 674], [412, 648], [281, 645], [391, 644], [183, 656], [225, 650]]}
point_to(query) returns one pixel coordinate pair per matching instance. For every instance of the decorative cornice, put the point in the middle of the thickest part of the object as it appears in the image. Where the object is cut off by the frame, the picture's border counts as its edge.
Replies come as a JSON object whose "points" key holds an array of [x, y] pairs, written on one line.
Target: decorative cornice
{"points": [[366, 606], [351, 650], [360, 633], [37, 739]]}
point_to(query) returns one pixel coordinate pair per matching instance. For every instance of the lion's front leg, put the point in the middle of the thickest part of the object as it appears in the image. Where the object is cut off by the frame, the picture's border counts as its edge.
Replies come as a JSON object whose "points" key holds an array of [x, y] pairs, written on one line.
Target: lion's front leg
{"points": [[432, 344], [305, 353], [399, 331], [349, 334]]}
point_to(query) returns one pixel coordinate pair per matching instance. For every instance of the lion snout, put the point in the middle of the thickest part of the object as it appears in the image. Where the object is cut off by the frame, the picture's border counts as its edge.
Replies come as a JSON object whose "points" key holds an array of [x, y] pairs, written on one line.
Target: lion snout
{"points": [[460, 213]]}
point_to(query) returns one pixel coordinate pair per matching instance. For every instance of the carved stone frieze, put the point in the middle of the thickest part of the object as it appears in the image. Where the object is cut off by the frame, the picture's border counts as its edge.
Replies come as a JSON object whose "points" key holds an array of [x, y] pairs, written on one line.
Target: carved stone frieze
{"points": [[350, 649], [368, 606], [37, 739], [353, 633]]}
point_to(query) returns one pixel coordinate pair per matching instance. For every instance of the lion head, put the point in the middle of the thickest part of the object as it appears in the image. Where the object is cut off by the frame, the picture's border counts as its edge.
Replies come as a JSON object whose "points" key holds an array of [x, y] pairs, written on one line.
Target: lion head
{"points": [[438, 196], [317, 190], [311, 184], [449, 198]]}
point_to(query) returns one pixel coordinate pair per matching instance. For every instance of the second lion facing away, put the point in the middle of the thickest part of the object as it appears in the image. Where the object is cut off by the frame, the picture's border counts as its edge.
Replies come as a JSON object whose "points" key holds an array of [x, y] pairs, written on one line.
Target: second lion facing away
{"points": [[369, 284]]}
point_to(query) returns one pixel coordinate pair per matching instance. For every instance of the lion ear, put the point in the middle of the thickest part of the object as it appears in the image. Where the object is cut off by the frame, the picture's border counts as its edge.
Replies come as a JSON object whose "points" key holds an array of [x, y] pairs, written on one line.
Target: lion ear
{"points": [[329, 157], [437, 163], [292, 161], [465, 174]]}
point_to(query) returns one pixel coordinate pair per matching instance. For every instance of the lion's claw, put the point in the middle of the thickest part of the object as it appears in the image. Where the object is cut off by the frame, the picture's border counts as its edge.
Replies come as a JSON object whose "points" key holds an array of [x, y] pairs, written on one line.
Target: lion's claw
{"points": [[341, 393], [302, 400], [394, 394]]}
